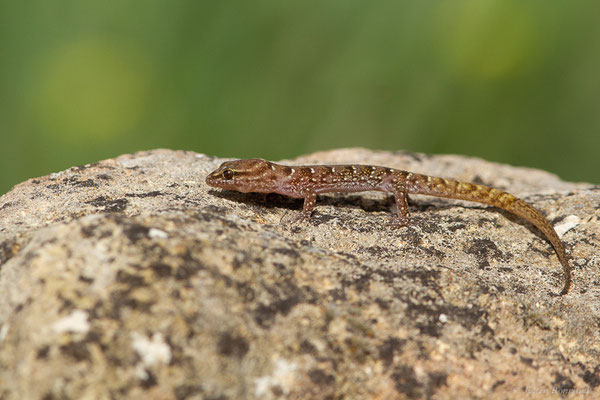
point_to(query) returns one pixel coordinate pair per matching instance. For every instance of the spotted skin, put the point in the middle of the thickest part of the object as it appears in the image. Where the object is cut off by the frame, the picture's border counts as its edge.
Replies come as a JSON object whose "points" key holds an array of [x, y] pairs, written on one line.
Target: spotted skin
{"points": [[257, 175]]}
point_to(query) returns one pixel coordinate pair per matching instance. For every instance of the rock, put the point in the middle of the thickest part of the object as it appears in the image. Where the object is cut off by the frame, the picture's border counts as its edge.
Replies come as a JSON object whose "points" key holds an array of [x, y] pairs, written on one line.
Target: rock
{"points": [[130, 278]]}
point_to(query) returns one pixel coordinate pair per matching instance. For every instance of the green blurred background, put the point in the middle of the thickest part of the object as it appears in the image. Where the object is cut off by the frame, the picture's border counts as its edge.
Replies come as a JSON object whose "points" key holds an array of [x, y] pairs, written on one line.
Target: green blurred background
{"points": [[506, 80]]}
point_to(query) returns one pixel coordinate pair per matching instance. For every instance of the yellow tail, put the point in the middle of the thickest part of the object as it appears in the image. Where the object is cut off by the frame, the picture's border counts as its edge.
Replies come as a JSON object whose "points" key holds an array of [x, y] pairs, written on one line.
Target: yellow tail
{"points": [[484, 194]]}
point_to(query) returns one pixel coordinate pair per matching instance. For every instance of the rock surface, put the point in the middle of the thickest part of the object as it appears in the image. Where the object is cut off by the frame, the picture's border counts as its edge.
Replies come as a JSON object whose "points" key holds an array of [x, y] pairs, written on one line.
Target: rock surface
{"points": [[130, 278]]}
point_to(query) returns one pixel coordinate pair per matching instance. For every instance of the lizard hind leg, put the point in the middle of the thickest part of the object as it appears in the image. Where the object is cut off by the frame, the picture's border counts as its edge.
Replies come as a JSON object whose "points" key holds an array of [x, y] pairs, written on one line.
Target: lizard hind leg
{"points": [[310, 200], [401, 197]]}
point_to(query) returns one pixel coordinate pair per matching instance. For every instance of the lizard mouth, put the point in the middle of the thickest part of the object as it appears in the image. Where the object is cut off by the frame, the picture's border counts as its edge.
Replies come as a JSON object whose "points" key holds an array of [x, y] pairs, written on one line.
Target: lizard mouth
{"points": [[213, 180], [216, 179]]}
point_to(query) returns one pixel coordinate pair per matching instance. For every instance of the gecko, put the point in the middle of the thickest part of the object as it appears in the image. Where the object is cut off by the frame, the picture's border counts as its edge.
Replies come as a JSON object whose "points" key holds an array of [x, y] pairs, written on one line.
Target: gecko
{"points": [[306, 181]]}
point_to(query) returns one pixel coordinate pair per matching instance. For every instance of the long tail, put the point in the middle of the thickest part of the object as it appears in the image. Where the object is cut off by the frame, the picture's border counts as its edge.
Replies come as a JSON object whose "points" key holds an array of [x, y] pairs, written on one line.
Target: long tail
{"points": [[422, 184]]}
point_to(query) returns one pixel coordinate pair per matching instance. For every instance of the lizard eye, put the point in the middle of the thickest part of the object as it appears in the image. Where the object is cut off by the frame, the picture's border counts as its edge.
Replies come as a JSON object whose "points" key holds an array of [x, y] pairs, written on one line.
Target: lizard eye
{"points": [[227, 174]]}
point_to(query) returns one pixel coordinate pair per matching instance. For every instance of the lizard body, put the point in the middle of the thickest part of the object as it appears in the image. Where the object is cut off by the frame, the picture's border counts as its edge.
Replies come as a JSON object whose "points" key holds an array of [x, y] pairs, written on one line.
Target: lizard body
{"points": [[257, 175]]}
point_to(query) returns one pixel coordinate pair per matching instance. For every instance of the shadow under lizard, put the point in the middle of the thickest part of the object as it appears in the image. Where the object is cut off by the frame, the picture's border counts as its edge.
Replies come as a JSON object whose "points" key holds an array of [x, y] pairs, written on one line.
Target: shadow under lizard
{"points": [[257, 175]]}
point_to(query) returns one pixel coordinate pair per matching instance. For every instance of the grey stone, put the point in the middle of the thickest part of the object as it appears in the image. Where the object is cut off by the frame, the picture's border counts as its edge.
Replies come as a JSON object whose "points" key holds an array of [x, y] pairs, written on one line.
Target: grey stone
{"points": [[130, 278]]}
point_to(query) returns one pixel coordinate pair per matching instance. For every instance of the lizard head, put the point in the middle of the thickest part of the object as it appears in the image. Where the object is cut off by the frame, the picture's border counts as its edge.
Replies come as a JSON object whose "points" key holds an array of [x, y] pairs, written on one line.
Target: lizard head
{"points": [[249, 175]]}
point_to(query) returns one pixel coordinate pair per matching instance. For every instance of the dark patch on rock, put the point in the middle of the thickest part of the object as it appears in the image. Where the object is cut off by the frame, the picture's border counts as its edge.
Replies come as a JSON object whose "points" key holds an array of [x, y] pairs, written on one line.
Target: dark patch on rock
{"points": [[86, 183], [432, 225], [427, 278], [108, 205], [562, 384], [456, 227], [52, 396], [42, 353], [215, 210], [592, 378], [86, 279], [307, 347], [338, 294], [306, 243], [360, 281], [348, 256], [388, 348], [320, 377], [286, 251], [187, 391], [245, 291], [497, 384], [357, 348], [479, 180], [20, 306], [67, 304], [8, 249], [191, 267], [437, 379], [130, 280], [483, 250], [375, 250], [264, 314], [87, 231], [318, 218], [406, 382], [76, 350], [120, 299], [213, 215], [242, 258], [497, 288], [7, 205], [135, 232], [149, 380], [413, 238], [161, 269], [232, 345], [427, 317], [527, 361], [383, 304], [145, 195]]}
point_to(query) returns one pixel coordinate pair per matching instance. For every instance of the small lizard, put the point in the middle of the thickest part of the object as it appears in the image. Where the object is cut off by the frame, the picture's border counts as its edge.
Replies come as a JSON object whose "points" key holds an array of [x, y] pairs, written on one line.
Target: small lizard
{"points": [[257, 175]]}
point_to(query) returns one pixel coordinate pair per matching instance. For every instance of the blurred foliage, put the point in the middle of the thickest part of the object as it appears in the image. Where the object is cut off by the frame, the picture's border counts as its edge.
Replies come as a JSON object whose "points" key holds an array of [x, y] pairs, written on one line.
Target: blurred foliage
{"points": [[505, 80]]}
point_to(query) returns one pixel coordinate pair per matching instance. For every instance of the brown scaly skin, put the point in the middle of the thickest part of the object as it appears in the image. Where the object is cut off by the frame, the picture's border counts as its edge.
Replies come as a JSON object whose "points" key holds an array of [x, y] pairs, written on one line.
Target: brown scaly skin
{"points": [[257, 175]]}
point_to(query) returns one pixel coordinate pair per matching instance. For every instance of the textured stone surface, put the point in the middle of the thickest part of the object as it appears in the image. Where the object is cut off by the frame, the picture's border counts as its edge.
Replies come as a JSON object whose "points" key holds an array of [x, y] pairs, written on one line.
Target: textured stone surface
{"points": [[131, 278]]}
